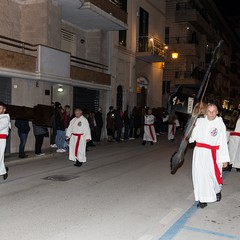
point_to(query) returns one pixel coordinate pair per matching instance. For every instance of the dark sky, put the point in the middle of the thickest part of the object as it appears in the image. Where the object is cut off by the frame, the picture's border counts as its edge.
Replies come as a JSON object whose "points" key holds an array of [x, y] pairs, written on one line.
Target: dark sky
{"points": [[228, 7]]}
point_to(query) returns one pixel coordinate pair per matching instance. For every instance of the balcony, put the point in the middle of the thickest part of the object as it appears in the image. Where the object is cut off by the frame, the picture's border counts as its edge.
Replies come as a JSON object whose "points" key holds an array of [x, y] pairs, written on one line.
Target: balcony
{"points": [[94, 14], [189, 78], [196, 17], [38, 62], [150, 49]]}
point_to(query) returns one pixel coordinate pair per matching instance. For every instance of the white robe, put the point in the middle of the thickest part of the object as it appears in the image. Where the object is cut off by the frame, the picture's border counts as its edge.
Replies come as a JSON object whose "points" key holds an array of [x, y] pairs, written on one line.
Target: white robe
{"points": [[149, 130], [5, 125], [204, 177], [77, 145], [234, 146], [172, 127]]}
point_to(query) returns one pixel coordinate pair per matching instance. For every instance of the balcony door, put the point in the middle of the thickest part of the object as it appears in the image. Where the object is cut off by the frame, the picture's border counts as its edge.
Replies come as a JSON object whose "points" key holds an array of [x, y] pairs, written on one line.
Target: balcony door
{"points": [[143, 30]]}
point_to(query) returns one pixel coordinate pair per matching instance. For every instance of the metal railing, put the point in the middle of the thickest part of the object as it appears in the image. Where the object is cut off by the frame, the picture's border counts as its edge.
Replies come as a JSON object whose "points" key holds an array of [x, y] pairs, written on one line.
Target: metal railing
{"points": [[18, 44], [13, 44], [150, 44]]}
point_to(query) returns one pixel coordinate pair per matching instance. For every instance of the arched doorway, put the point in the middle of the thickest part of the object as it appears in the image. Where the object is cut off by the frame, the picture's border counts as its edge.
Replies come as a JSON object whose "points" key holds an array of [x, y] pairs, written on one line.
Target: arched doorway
{"points": [[142, 91]]}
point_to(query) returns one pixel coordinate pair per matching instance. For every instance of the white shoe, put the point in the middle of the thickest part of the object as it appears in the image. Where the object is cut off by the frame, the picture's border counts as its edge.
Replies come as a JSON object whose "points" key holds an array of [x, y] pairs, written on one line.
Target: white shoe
{"points": [[40, 154], [53, 145], [131, 138], [63, 150], [59, 150]]}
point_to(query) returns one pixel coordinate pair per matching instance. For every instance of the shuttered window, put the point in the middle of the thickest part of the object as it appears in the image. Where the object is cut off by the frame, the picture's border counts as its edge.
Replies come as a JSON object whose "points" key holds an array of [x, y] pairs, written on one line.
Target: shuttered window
{"points": [[68, 42]]}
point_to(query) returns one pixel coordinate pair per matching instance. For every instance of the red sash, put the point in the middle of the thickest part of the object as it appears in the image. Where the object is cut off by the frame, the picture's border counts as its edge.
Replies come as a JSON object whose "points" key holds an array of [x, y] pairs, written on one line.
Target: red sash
{"points": [[150, 130], [3, 136], [77, 143], [173, 128], [214, 157], [235, 134]]}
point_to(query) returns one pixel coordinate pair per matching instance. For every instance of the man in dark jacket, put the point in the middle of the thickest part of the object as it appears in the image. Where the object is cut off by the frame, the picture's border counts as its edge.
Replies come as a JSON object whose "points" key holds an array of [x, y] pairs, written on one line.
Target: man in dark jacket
{"points": [[23, 130], [99, 124]]}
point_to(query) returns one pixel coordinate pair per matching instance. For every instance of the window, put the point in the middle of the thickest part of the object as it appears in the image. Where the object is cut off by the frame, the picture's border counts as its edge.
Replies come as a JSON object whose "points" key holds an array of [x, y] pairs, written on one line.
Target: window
{"points": [[122, 39], [166, 87], [167, 35], [119, 97]]}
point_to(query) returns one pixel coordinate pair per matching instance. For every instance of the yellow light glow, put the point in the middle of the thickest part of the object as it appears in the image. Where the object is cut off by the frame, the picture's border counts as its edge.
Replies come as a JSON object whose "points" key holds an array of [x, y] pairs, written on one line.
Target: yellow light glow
{"points": [[174, 55]]}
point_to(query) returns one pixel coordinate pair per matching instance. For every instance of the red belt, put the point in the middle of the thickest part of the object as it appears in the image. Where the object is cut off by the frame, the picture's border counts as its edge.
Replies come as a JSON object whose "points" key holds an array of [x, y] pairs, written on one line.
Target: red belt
{"points": [[150, 129], [77, 143], [173, 128], [3, 136], [235, 134], [214, 157]]}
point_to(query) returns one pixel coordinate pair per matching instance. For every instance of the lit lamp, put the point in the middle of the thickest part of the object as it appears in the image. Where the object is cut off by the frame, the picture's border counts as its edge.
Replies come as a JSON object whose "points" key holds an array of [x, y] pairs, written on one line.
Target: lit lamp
{"points": [[174, 55], [60, 89]]}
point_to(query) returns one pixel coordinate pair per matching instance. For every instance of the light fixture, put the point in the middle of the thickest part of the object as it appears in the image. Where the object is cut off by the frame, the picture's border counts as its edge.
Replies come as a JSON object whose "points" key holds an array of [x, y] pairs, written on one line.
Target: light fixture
{"points": [[174, 55], [60, 89]]}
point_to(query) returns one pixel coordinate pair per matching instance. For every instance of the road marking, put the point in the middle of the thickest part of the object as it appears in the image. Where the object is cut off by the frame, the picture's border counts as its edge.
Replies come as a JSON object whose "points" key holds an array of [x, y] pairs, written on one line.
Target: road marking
{"points": [[170, 216], [146, 237]]}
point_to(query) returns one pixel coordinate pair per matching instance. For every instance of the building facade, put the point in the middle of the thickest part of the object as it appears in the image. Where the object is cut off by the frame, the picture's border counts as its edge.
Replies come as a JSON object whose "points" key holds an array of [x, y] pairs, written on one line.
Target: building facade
{"points": [[193, 29], [99, 52]]}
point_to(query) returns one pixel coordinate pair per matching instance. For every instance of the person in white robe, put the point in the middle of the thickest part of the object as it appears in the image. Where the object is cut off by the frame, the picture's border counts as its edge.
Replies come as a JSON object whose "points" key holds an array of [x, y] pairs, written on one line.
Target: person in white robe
{"points": [[78, 133], [173, 123], [149, 130], [234, 146], [210, 155], [5, 125]]}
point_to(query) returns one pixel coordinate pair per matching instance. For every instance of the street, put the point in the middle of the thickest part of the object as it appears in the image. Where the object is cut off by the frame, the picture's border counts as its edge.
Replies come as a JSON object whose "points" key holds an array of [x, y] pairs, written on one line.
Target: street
{"points": [[124, 191]]}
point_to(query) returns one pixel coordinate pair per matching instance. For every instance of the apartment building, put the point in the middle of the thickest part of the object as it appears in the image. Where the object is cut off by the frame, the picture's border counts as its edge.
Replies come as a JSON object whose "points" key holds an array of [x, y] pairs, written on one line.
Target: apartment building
{"points": [[193, 29], [86, 53]]}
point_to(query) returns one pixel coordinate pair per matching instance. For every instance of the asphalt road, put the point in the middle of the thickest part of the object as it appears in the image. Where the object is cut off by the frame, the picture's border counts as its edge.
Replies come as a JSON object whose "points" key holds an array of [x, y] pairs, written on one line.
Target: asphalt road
{"points": [[124, 191]]}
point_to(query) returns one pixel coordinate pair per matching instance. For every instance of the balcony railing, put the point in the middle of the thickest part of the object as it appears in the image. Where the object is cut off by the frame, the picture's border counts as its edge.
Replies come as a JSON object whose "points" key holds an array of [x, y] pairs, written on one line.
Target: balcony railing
{"points": [[151, 45], [183, 40]]}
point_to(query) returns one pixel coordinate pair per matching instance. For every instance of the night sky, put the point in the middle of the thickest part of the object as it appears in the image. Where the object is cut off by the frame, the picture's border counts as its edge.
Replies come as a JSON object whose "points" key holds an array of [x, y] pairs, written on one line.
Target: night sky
{"points": [[228, 7]]}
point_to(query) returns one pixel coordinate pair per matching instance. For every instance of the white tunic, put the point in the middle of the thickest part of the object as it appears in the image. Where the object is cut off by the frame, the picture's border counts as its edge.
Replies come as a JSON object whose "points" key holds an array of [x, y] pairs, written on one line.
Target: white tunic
{"points": [[172, 127], [5, 125], [234, 146], [207, 181], [78, 131], [149, 130]]}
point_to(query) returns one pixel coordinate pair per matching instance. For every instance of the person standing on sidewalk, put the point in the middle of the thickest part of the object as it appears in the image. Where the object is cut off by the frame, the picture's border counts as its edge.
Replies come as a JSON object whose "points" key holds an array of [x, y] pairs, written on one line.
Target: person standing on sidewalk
{"points": [[5, 126], [39, 132], [23, 130], [78, 133], [210, 155]]}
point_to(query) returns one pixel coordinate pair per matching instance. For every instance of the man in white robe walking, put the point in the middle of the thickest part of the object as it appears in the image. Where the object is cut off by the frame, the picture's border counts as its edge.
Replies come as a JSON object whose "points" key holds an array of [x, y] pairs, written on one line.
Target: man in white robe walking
{"points": [[5, 125], [234, 147], [78, 132], [149, 130], [210, 155]]}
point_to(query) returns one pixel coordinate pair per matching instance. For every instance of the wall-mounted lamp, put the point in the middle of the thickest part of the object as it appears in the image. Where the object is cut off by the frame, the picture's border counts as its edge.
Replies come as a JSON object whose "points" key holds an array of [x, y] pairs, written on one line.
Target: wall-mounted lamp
{"points": [[174, 55], [60, 89]]}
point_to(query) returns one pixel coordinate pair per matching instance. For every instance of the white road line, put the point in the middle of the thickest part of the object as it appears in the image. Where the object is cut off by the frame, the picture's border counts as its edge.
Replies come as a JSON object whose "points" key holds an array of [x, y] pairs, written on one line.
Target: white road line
{"points": [[170, 216], [146, 237]]}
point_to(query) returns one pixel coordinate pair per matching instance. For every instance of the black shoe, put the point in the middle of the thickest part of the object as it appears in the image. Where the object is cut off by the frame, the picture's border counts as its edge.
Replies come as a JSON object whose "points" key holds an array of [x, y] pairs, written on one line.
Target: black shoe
{"points": [[238, 169], [201, 204], [23, 156], [219, 196], [5, 176], [228, 168], [78, 164], [151, 143], [143, 143]]}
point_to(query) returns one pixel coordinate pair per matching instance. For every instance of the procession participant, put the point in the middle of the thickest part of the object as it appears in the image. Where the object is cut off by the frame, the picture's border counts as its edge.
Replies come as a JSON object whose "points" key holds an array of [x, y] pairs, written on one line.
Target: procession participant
{"points": [[5, 125], [210, 155], [78, 133], [234, 147], [149, 130], [173, 123]]}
